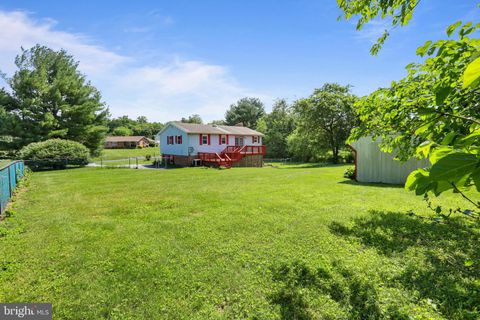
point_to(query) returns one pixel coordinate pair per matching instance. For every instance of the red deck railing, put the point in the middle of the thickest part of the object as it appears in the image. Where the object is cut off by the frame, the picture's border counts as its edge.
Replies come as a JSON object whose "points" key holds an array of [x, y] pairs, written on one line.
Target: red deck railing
{"points": [[230, 155]]}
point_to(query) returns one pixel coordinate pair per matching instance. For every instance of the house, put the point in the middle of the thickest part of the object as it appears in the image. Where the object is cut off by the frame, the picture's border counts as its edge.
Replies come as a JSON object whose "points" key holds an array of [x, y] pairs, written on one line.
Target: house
{"points": [[186, 144], [126, 142], [374, 165]]}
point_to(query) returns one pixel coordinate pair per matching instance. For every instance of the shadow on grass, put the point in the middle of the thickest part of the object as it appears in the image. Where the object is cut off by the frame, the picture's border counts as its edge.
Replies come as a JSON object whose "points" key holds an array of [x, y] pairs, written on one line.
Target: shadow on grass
{"points": [[324, 291], [443, 259], [370, 184], [305, 165]]}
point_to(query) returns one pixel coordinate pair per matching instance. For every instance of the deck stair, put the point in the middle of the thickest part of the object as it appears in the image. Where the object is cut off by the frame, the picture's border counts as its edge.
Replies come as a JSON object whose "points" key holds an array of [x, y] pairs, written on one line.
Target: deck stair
{"points": [[229, 155]]}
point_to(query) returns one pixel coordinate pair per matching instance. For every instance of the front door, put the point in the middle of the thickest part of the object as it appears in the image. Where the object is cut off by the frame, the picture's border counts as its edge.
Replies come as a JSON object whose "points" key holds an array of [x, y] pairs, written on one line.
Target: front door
{"points": [[239, 141]]}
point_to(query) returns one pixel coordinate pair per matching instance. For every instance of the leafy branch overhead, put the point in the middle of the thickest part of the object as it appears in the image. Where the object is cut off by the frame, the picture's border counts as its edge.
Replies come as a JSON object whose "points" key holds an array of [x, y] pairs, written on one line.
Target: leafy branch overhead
{"points": [[399, 11]]}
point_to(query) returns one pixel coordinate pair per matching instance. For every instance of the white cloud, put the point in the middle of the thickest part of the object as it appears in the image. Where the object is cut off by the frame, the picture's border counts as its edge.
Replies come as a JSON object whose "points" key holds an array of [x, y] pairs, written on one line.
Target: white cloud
{"points": [[162, 92]]}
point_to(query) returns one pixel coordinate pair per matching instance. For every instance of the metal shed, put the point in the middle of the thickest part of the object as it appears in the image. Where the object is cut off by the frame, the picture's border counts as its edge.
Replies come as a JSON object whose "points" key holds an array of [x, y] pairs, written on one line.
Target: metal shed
{"points": [[374, 165]]}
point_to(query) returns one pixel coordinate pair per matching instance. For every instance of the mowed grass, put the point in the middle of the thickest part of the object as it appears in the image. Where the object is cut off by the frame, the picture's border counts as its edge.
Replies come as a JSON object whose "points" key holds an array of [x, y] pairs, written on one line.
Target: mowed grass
{"points": [[113, 154], [293, 242]]}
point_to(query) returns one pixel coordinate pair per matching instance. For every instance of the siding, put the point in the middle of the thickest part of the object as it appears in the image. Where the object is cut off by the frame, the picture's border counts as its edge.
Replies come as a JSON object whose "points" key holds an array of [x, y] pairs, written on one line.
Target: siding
{"points": [[194, 142], [176, 149], [373, 165]]}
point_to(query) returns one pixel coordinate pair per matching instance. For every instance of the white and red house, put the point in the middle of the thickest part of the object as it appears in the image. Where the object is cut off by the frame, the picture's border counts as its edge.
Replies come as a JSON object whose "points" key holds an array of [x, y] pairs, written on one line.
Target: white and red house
{"points": [[186, 143]]}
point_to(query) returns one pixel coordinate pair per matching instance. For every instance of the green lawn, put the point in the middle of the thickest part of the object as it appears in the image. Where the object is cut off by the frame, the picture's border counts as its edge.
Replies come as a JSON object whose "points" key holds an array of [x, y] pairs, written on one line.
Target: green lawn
{"points": [[112, 154], [291, 242]]}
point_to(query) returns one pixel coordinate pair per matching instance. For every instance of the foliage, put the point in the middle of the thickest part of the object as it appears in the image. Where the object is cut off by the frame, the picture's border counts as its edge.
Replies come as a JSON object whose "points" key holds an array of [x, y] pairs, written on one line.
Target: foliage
{"points": [[349, 173], [51, 99], [218, 122], [326, 117], [400, 12], [277, 126], [247, 111], [234, 255], [54, 153], [122, 131], [433, 104], [303, 147], [195, 118], [139, 127]]}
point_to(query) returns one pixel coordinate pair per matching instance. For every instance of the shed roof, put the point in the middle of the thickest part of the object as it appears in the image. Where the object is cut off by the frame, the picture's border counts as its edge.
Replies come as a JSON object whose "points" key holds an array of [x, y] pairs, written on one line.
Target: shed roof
{"points": [[215, 129], [124, 138]]}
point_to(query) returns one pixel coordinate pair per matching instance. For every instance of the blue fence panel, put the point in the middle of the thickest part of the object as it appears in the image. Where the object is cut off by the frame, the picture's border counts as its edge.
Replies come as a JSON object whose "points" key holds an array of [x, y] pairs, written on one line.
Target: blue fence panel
{"points": [[9, 177], [4, 189]]}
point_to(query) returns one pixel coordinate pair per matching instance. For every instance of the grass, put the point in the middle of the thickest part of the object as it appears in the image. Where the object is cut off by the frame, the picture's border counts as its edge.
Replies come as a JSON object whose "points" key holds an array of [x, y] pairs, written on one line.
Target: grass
{"points": [[120, 157], [114, 154], [286, 242]]}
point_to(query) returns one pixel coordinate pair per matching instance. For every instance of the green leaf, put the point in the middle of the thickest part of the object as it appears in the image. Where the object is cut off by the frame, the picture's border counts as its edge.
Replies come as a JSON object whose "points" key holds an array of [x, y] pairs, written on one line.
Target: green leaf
{"points": [[476, 179], [423, 49], [419, 181], [451, 28], [449, 138], [441, 94], [471, 76], [439, 153], [453, 167], [468, 263], [441, 186], [472, 137]]}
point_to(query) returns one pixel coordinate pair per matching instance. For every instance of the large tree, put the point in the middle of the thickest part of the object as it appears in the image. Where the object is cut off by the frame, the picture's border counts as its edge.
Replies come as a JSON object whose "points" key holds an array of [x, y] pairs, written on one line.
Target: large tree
{"points": [[50, 98], [277, 126], [246, 111], [327, 116], [140, 127], [194, 118]]}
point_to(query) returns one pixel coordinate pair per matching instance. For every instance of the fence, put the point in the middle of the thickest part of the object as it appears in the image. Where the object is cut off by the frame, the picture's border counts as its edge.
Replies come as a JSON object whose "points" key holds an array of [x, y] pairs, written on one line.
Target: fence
{"points": [[9, 177], [128, 162]]}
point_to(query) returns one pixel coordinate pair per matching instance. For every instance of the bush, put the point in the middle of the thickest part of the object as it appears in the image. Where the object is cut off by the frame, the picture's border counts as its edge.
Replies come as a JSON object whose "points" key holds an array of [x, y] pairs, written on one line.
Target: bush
{"points": [[55, 154], [349, 173]]}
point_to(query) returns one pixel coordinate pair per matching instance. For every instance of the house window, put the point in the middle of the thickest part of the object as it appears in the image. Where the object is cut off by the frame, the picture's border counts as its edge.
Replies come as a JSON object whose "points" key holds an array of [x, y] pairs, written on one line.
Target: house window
{"points": [[204, 139], [178, 139], [223, 140], [170, 140], [255, 139]]}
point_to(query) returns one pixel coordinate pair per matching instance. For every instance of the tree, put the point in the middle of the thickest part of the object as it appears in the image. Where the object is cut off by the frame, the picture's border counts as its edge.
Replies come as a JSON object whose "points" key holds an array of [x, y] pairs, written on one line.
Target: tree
{"points": [[327, 116], [218, 122], [122, 131], [433, 113], [246, 111], [139, 127], [277, 126], [51, 99], [194, 118]]}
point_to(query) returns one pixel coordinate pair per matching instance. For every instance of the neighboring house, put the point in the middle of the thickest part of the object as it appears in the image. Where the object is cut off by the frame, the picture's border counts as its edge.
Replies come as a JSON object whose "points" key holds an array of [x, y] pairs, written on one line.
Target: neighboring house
{"points": [[126, 142], [374, 165], [187, 143]]}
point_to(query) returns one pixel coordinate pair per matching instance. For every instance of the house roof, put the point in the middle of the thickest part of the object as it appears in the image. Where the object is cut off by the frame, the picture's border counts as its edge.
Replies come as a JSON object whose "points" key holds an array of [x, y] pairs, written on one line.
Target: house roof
{"points": [[214, 129], [124, 138]]}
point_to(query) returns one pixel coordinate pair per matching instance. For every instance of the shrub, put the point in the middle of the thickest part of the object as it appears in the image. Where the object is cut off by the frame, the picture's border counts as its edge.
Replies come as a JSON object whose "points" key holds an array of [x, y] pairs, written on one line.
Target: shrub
{"points": [[54, 154], [349, 173]]}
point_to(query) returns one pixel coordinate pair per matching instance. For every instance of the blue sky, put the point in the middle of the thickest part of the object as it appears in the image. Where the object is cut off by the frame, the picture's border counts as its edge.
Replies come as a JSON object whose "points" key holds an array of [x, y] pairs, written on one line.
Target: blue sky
{"points": [[168, 59]]}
